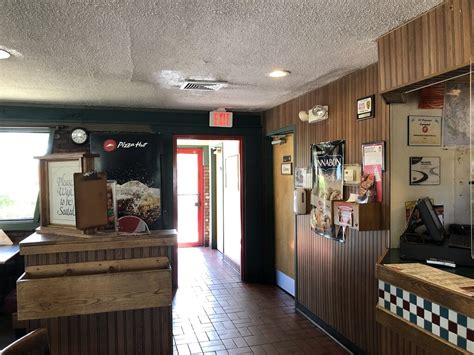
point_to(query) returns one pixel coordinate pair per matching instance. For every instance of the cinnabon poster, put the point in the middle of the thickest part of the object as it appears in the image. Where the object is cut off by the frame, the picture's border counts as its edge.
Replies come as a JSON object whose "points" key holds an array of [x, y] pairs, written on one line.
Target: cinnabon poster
{"points": [[328, 165], [133, 160]]}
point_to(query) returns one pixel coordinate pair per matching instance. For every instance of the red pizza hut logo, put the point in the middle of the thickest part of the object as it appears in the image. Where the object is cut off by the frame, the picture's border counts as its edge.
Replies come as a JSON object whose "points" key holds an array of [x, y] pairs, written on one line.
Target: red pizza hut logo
{"points": [[110, 145]]}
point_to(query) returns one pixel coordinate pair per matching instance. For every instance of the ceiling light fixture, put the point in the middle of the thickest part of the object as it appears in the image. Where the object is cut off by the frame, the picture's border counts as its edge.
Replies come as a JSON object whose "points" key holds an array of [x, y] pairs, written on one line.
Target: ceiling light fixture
{"points": [[4, 54], [279, 73]]}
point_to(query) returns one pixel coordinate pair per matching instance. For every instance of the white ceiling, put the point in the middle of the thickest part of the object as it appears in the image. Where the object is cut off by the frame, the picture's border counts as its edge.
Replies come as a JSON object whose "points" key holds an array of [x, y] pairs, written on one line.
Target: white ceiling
{"points": [[126, 53]]}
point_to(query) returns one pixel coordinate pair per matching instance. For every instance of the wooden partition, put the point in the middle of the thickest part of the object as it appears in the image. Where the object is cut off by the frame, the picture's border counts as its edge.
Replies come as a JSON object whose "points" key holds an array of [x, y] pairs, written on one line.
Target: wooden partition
{"points": [[102, 295], [336, 282], [437, 42]]}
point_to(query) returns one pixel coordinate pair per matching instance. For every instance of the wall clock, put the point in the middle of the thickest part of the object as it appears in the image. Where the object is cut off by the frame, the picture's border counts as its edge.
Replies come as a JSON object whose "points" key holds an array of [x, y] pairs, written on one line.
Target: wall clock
{"points": [[79, 135]]}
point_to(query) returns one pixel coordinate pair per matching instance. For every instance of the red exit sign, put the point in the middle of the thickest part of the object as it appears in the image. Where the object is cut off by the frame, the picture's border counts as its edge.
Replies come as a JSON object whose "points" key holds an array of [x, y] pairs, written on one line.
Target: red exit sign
{"points": [[220, 119]]}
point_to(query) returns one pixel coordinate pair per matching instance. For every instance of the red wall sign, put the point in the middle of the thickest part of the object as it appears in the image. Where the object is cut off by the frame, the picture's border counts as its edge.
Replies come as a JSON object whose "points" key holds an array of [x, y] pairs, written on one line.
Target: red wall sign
{"points": [[220, 119]]}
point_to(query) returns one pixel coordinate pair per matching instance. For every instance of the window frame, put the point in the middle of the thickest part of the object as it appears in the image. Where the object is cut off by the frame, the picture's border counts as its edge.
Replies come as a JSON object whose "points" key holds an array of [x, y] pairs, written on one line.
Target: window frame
{"points": [[32, 223]]}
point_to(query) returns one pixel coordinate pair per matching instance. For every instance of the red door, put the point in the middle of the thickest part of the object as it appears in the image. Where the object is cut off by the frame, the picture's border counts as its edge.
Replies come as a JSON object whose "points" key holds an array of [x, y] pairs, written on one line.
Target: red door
{"points": [[190, 197]]}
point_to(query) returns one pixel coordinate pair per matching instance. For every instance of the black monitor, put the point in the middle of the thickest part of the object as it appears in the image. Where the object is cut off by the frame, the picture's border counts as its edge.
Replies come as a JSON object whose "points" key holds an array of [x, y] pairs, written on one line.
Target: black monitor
{"points": [[431, 220]]}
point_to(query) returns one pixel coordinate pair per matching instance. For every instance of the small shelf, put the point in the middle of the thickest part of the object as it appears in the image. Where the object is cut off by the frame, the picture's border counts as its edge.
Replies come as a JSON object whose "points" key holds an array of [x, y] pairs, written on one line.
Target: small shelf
{"points": [[361, 217]]}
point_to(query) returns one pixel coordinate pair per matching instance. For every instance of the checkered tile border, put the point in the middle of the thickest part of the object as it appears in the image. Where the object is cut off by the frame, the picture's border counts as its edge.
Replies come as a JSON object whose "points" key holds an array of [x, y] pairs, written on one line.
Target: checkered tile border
{"points": [[452, 326]]}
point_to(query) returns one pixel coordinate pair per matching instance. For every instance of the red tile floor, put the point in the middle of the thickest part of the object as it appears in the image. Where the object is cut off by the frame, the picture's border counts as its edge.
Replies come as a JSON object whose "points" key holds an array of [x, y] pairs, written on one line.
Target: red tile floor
{"points": [[215, 313]]}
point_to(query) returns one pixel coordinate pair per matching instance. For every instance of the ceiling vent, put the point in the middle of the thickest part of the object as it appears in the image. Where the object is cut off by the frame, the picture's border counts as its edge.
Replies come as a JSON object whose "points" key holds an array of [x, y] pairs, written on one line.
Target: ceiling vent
{"points": [[203, 85]]}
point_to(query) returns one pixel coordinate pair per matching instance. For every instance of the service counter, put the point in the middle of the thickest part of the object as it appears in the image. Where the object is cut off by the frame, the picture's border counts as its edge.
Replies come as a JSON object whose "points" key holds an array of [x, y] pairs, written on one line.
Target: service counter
{"points": [[104, 294], [432, 307]]}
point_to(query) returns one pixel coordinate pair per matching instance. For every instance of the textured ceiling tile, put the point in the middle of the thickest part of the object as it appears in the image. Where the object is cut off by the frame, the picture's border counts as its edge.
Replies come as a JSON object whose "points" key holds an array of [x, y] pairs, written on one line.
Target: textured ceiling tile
{"points": [[137, 53]]}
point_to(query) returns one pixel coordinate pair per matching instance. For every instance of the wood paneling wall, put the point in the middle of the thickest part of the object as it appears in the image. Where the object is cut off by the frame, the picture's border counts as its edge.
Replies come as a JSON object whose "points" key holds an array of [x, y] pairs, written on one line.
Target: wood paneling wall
{"points": [[434, 43], [336, 282]]}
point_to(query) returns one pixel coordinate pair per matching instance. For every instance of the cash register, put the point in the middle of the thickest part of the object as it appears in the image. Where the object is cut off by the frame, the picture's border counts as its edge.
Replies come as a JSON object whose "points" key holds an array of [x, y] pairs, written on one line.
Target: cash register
{"points": [[427, 239]]}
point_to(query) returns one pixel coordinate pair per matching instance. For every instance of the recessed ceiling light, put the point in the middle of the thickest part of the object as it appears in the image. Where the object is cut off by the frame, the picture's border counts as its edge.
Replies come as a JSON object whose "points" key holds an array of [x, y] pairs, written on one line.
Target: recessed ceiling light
{"points": [[279, 73], [4, 54]]}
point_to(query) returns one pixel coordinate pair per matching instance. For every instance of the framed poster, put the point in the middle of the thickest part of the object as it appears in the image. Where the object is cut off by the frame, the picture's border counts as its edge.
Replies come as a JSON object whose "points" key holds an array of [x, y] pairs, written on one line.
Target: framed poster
{"points": [[373, 154], [425, 170], [366, 107], [286, 169], [424, 130], [328, 164]]}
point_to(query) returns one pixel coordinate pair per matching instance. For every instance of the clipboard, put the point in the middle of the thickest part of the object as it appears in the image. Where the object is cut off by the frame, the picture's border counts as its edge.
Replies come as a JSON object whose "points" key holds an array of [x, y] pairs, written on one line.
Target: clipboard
{"points": [[90, 195]]}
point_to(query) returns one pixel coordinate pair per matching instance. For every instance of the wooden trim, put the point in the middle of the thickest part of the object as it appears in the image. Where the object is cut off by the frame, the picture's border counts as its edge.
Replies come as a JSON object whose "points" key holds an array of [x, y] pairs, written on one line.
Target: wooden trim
{"points": [[63, 296], [381, 257], [433, 79], [48, 249], [416, 334], [436, 293], [45, 244], [95, 267]]}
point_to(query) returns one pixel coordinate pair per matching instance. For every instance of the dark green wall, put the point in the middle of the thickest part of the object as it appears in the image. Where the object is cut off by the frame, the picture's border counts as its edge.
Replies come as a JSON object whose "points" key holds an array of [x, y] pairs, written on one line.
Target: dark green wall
{"points": [[257, 258]]}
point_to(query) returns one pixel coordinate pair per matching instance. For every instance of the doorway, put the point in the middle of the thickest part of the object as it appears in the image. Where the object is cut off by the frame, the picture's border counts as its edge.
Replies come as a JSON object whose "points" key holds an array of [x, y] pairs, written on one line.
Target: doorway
{"points": [[190, 196], [208, 194], [284, 219]]}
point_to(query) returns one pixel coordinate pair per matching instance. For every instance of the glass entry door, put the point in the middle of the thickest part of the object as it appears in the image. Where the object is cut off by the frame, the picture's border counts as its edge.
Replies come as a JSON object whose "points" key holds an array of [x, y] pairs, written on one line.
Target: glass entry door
{"points": [[190, 197]]}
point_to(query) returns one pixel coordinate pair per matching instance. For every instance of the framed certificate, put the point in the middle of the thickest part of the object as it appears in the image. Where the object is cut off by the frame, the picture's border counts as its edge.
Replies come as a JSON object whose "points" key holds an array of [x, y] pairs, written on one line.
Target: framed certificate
{"points": [[366, 107], [425, 170], [424, 130]]}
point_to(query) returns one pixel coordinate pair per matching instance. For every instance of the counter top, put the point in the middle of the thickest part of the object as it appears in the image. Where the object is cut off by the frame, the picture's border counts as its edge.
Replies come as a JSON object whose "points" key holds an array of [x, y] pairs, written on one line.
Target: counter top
{"points": [[393, 257], [48, 243], [431, 306], [451, 287]]}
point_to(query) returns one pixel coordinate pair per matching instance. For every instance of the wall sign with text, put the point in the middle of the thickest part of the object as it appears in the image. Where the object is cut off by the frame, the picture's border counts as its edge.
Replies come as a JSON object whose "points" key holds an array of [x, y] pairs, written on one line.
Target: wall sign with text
{"points": [[57, 196], [424, 130], [61, 191]]}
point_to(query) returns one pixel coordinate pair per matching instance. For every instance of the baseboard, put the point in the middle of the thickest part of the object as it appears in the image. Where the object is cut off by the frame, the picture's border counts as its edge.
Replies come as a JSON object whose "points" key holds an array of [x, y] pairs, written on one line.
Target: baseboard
{"points": [[285, 282], [333, 333], [232, 263]]}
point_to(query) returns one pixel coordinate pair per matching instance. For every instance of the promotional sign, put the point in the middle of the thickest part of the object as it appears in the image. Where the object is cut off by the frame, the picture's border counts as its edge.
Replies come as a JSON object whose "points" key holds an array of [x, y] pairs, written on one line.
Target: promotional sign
{"points": [[328, 165], [425, 170], [133, 160]]}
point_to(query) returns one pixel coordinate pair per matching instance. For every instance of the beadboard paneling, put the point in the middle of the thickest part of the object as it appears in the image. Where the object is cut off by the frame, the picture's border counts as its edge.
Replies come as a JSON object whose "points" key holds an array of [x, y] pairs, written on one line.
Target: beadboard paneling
{"points": [[437, 42], [336, 282]]}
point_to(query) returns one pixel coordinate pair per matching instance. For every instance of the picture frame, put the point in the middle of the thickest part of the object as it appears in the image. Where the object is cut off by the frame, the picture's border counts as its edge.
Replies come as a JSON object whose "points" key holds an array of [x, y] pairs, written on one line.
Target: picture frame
{"points": [[286, 168], [425, 171], [373, 153], [365, 107], [424, 130], [57, 200]]}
